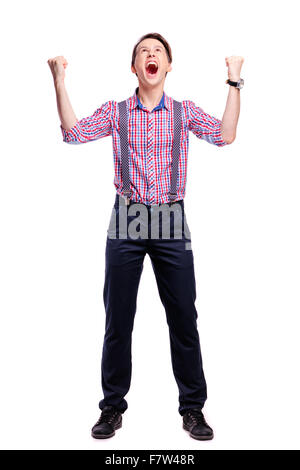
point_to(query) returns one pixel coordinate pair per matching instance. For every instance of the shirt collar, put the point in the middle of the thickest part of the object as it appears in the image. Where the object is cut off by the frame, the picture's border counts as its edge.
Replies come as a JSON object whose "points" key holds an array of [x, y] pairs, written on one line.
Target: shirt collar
{"points": [[135, 102]]}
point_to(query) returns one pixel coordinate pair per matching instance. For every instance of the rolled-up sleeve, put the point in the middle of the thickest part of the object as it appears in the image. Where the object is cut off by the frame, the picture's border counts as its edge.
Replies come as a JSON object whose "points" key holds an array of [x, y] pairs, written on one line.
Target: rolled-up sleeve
{"points": [[203, 125], [90, 128]]}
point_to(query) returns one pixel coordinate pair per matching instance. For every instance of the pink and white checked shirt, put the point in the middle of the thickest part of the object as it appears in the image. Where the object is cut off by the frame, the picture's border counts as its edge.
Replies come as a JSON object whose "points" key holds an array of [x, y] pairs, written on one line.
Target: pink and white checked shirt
{"points": [[150, 138]]}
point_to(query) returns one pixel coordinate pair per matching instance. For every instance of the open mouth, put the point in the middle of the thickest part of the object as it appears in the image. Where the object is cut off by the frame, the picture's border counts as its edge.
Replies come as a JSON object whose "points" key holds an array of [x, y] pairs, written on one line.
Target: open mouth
{"points": [[152, 69]]}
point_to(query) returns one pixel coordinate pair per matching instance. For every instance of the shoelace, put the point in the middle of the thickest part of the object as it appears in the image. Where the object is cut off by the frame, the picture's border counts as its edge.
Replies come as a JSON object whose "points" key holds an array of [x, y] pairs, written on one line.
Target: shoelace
{"points": [[196, 416], [107, 417]]}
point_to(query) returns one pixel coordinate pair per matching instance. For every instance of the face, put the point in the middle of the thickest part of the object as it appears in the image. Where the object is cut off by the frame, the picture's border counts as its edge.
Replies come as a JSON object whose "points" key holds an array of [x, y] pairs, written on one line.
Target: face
{"points": [[151, 50]]}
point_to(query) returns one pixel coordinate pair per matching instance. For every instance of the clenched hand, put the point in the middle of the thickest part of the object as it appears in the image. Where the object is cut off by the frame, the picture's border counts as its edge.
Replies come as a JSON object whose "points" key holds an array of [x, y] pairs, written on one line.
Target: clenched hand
{"points": [[57, 66], [234, 64]]}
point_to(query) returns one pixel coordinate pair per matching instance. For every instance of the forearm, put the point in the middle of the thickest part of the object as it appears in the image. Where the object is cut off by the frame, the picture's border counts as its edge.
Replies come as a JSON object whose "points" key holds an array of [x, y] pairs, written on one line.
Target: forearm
{"points": [[64, 107], [231, 115]]}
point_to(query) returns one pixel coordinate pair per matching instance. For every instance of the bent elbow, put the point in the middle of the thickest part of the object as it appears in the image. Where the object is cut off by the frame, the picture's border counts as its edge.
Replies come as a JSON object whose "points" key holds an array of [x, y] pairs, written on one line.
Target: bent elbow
{"points": [[229, 139]]}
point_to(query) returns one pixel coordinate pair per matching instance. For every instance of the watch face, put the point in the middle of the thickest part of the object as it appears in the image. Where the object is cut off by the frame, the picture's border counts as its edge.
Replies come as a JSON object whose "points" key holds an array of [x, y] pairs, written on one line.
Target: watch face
{"points": [[240, 83]]}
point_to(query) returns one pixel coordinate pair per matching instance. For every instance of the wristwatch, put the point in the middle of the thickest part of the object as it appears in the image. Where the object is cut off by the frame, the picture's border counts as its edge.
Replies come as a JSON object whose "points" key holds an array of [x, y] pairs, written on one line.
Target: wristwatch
{"points": [[239, 84]]}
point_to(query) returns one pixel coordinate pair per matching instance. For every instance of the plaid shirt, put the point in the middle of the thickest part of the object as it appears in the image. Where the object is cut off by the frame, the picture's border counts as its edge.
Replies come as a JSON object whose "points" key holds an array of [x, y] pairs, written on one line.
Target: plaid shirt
{"points": [[150, 138]]}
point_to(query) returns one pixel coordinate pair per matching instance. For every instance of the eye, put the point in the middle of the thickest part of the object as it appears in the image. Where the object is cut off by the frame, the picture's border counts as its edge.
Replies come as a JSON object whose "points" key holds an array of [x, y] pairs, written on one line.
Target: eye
{"points": [[144, 49]]}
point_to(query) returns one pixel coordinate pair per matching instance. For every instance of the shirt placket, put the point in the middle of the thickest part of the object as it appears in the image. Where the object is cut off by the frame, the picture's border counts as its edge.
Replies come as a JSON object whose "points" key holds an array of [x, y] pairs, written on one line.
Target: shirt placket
{"points": [[150, 158]]}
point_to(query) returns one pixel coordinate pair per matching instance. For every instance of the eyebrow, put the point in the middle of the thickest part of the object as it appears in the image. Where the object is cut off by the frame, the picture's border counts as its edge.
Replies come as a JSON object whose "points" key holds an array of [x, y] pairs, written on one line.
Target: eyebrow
{"points": [[145, 47]]}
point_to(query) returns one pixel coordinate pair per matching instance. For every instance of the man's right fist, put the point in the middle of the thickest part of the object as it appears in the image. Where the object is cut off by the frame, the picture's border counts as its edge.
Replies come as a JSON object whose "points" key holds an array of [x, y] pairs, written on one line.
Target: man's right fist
{"points": [[57, 66]]}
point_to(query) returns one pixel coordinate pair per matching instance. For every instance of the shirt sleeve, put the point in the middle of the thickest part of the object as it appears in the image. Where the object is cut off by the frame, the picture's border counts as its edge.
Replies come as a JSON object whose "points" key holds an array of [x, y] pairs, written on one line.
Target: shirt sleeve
{"points": [[90, 128], [204, 126]]}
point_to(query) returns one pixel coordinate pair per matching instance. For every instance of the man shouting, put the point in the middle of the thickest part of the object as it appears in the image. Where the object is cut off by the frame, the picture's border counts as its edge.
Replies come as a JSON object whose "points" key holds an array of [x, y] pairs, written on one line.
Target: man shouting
{"points": [[150, 132]]}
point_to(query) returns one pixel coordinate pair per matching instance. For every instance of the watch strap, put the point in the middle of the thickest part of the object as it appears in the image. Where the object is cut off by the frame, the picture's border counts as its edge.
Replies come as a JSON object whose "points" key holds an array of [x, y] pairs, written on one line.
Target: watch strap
{"points": [[230, 82], [239, 84]]}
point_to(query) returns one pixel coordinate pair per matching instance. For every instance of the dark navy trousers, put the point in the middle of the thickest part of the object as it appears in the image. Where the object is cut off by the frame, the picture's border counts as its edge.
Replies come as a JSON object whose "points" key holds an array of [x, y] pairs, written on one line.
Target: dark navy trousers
{"points": [[173, 266]]}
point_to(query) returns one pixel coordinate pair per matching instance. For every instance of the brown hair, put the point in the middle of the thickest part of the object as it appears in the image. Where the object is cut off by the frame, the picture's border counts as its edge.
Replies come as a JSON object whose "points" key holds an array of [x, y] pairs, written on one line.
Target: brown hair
{"points": [[160, 38]]}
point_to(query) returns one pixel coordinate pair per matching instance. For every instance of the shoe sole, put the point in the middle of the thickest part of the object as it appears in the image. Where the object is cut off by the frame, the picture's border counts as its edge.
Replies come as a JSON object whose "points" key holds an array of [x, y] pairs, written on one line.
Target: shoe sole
{"points": [[105, 436], [199, 438]]}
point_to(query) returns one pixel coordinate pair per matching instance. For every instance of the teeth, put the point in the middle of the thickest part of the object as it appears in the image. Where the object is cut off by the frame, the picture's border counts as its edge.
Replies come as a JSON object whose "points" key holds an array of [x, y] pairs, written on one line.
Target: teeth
{"points": [[148, 63]]}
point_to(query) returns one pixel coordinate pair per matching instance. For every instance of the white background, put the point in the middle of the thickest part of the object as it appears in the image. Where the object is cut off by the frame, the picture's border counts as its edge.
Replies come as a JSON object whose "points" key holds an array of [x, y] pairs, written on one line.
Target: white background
{"points": [[242, 206]]}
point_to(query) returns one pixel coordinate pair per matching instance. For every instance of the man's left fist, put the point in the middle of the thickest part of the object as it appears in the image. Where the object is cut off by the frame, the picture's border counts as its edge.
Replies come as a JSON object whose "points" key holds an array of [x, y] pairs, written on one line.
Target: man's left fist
{"points": [[234, 64]]}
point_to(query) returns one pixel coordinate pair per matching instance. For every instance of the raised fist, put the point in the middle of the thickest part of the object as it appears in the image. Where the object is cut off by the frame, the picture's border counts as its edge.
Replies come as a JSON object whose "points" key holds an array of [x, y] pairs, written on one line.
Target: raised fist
{"points": [[234, 64], [57, 66]]}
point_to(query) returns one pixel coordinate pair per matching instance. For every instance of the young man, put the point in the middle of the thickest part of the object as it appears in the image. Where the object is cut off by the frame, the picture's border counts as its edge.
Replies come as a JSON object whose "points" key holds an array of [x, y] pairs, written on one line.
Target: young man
{"points": [[150, 142]]}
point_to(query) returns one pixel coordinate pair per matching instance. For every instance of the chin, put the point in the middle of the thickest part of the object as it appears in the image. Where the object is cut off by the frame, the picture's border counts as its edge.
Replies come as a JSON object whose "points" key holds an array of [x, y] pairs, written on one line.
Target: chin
{"points": [[153, 80]]}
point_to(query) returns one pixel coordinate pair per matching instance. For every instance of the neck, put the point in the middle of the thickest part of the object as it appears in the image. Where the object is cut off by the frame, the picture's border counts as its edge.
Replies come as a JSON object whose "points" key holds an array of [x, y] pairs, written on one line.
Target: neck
{"points": [[150, 96]]}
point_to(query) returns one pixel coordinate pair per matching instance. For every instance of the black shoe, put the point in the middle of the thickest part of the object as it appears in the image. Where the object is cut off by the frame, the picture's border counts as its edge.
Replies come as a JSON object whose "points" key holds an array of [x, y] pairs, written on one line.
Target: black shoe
{"points": [[109, 420], [193, 421]]}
